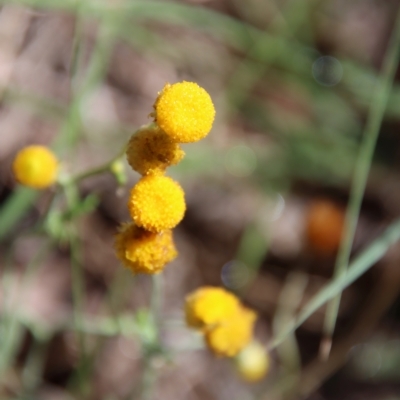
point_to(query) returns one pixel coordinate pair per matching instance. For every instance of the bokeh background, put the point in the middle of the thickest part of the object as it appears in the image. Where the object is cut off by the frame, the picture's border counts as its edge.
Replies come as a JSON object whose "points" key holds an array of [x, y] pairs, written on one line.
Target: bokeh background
{"points": [[266, 192]]}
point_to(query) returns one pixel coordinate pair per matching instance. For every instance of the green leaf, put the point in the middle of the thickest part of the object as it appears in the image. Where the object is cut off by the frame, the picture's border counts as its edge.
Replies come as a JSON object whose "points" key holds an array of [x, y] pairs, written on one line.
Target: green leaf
{"points": [[358, 267]]}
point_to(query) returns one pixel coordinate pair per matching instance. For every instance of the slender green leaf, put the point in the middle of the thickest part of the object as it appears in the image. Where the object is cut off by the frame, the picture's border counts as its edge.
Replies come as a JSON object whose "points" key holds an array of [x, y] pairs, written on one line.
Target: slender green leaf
{"points": [[375, 117], [358, 267], [15, 206]]}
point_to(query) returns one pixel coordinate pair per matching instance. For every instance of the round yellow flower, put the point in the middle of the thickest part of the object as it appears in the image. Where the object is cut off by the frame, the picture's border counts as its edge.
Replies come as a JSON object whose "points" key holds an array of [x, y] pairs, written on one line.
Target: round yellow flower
{"points": [[230, 336], [208, 306], [36, 167], [151, 151], [252, 362], [184, 111], [157, 203], [144, 251]]}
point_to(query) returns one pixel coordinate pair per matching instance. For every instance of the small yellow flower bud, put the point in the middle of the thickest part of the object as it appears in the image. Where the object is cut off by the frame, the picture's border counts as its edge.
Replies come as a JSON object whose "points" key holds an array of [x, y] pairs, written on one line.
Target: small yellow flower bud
{"points": [[230, 336], [118, 170], [184, 111], [252, 362], [142, 251], [210, 305], [157, 203], [36, 167], [151, 151]]}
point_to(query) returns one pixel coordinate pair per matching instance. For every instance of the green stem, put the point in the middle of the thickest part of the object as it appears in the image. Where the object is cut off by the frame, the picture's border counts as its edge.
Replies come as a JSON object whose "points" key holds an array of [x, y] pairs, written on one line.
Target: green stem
{"points": [[92, 172], [106, 167], [32, 372], [77, 53], [371, 132], [156, 301], [77, 282], [359, 266], [149, 376], [78, 300], [10, 323]]}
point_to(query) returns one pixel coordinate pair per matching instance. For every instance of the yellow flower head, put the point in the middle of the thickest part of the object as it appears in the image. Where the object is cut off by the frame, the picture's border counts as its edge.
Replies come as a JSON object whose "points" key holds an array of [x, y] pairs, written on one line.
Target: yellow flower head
{"points": [[151, 151], [232, 335], [184, 111], [157, 203], [208, 306], [36, 167], [252, 362], [144, 251]]}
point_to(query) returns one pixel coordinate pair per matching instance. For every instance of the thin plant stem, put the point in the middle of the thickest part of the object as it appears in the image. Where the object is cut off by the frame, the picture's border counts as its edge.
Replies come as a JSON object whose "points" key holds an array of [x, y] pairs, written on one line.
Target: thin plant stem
{"points": [[77, 283], [78, 301], [32, 372], [362, 167], [11, 326], [117, 293], [77, 53], [156, 300], [243, 81], [149, 376], [69, 133], [374, 252], [290, 296], [106, 167]]}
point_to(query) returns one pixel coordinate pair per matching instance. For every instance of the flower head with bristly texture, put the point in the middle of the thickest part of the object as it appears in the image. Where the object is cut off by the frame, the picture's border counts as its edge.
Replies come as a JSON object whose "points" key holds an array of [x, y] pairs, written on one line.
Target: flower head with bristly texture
{"points": [[225, 322], [210, 305], [184, 111], [157, 203], [144, 251], [231, 335], [151, 151], [36, 167]]}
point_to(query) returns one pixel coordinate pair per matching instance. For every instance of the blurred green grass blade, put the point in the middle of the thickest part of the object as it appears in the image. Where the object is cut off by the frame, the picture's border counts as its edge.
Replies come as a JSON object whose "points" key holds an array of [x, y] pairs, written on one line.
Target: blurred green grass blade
{"points": [[253, 247], [50, 4], [288, 300], [360, 81], [232, 31], [359, 266], [15, 206], [360, 177], [12, 334], [71, 129]]}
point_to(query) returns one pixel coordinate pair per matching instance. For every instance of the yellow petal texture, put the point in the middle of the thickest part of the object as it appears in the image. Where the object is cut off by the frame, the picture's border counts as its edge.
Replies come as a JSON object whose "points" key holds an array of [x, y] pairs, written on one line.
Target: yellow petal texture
{"points": [[209, 305], [144, 251], [157, 203], [184, 111], [253, 363], [36, 167], [151, 151], [232, 335]]}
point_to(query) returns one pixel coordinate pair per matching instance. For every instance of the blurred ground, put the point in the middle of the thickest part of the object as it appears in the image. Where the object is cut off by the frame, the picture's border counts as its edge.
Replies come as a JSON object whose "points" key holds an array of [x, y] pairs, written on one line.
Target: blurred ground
{"points": [[291, 81]]}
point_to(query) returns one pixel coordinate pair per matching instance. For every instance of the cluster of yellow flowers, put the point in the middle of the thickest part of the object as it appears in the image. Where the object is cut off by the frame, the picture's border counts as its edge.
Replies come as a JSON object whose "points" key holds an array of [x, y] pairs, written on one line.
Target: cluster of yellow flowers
{"points": [[183, 113], [227, 325]]}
